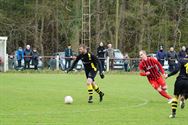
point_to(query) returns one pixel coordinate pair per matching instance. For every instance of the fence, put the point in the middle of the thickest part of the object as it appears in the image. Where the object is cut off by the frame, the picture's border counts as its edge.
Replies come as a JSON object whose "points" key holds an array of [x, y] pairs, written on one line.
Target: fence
{"points": [[58, 63]]}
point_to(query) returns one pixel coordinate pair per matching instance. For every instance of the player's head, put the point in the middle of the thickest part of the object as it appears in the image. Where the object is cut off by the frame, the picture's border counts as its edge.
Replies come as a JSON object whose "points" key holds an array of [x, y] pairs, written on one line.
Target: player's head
{"points": [[143, 54], [82, 49]]}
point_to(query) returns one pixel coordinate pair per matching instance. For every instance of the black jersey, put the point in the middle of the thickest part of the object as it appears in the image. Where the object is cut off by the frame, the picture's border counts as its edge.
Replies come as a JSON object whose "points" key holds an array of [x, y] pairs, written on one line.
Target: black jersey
{"points": [[183, 68], [90, 62]]}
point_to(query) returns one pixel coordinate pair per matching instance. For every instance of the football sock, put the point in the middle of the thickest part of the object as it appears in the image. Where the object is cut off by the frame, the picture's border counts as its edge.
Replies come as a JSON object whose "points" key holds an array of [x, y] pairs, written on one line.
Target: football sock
{"points": [[90, 90], [174, 105], [96, 88], [165, 94]]}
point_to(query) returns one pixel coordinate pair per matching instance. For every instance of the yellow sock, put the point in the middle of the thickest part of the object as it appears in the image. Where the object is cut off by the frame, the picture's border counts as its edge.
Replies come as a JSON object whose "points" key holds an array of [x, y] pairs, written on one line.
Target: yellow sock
{"points": [[174, 105], [96, 88], [90, 90]]}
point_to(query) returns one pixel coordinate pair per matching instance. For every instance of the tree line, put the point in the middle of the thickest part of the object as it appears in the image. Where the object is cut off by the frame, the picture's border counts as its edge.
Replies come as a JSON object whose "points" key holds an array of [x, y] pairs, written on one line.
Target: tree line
{"points": [[130, 25]]}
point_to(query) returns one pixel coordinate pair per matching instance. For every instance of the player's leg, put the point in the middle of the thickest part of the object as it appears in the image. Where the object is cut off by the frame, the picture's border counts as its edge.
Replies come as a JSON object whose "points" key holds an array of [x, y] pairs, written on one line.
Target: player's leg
{"points": [[164, 91], [162, 83], [97, 89], [92, 75], [164, 94], [182, 101], [90, 90], [182, 90], [157, 87], [174, 105]]}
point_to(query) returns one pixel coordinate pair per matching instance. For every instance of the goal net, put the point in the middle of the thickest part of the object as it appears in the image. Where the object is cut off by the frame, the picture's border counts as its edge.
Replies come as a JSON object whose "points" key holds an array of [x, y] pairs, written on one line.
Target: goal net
{"points": [[3, 54]]}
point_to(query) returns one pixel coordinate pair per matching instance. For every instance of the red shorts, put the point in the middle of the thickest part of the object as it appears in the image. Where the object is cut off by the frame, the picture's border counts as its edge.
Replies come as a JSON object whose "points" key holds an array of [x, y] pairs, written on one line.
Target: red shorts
{"points": [[158, 83]]}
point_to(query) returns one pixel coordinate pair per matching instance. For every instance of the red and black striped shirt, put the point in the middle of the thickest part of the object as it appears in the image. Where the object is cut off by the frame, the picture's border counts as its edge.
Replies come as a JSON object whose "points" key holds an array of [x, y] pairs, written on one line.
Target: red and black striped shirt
{"points": [[153, 66]]}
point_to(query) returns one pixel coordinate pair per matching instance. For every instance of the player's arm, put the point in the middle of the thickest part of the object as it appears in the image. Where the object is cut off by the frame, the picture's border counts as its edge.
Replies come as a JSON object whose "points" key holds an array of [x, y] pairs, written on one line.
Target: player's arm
{"points": [[143, 73], [97, 61], [74, 63], [176, 70], [159, 66]]}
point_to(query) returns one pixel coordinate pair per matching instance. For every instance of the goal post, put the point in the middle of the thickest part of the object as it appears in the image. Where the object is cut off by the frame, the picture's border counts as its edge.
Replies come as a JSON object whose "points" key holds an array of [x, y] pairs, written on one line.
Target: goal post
{"points": [[3, 54]]}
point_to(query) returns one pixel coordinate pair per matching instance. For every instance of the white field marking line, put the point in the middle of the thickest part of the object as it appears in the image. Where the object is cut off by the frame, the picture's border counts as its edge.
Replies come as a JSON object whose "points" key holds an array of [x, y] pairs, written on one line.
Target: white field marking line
{"points": [[145, 102], [47, 123]]}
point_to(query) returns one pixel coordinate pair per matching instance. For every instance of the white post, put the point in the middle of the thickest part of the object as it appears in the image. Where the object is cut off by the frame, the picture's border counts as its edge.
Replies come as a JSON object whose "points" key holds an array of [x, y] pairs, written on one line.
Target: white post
{"points": [[57, 62], [107, 63], [3, 53]]}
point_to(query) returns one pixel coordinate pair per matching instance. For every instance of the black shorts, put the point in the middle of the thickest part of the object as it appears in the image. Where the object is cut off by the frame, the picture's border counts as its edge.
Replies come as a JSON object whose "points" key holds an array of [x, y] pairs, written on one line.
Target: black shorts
{"points": [[181, 87], [91, 74]]}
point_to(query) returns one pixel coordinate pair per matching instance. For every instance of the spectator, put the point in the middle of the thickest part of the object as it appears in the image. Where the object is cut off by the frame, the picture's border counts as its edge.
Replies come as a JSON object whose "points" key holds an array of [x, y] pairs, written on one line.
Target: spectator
{"points": [[68, 56], [110, 54], [27, 56], [161, 55], [19, 57], [172, 57], [35, 58], [182, 52], [52, 63], [126, 62], [101, 54], [1, 61], [11, 62]]}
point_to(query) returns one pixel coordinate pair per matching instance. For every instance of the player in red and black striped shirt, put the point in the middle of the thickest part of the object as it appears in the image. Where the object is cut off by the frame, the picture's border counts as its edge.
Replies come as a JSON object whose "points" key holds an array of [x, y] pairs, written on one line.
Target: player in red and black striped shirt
{"points": [[151, 68]]}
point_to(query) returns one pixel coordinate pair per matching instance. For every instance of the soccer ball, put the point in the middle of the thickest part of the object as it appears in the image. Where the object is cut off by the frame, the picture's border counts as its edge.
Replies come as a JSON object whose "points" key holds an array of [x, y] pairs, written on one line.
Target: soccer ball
{"points": [[68, 100]]}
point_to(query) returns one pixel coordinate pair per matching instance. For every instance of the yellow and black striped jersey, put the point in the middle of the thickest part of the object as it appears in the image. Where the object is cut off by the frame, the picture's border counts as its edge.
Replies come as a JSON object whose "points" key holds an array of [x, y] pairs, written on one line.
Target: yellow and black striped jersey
{"points": [[90, 62]]}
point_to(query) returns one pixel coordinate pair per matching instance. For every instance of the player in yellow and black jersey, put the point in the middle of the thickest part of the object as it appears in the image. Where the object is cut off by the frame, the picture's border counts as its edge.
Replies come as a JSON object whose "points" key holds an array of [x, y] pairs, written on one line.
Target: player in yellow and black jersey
{"points": [[91, 66], [181, 84]]}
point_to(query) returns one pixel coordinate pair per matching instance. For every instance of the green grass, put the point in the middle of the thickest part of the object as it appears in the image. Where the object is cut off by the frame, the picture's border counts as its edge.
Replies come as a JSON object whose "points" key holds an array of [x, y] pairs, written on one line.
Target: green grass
{"points": [[38, 99]]}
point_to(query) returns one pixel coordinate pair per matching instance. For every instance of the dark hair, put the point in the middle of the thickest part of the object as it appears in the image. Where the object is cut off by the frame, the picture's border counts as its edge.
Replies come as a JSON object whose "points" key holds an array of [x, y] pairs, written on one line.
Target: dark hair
{"points": [[69, 44], [186, 50]]}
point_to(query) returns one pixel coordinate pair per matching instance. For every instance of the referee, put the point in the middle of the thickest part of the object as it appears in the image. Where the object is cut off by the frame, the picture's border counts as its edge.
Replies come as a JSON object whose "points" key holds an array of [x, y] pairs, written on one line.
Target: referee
{"points": [[181, 84], [91, 66]]}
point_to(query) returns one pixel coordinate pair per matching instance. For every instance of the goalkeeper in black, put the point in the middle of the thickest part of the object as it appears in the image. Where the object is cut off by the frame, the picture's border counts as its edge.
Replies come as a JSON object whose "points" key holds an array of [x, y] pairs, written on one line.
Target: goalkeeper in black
{"points": [[91, 66], [181, 84]]}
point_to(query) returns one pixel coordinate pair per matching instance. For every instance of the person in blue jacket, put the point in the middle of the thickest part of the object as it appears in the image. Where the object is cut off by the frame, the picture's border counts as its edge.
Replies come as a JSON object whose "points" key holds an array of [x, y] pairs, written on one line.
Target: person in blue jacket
{"points": [[182, 52], [19, 56], [161, 55], [68, 56]]}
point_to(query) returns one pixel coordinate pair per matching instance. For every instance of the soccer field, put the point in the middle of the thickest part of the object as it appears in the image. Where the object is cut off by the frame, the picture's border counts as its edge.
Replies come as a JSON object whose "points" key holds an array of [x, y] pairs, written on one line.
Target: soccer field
{"points": [[38, 99]]}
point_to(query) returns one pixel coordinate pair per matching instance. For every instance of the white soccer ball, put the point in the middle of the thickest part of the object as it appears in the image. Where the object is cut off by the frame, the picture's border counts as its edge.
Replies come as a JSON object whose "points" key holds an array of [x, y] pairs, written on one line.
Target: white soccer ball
{"points": [[68, 100]]}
